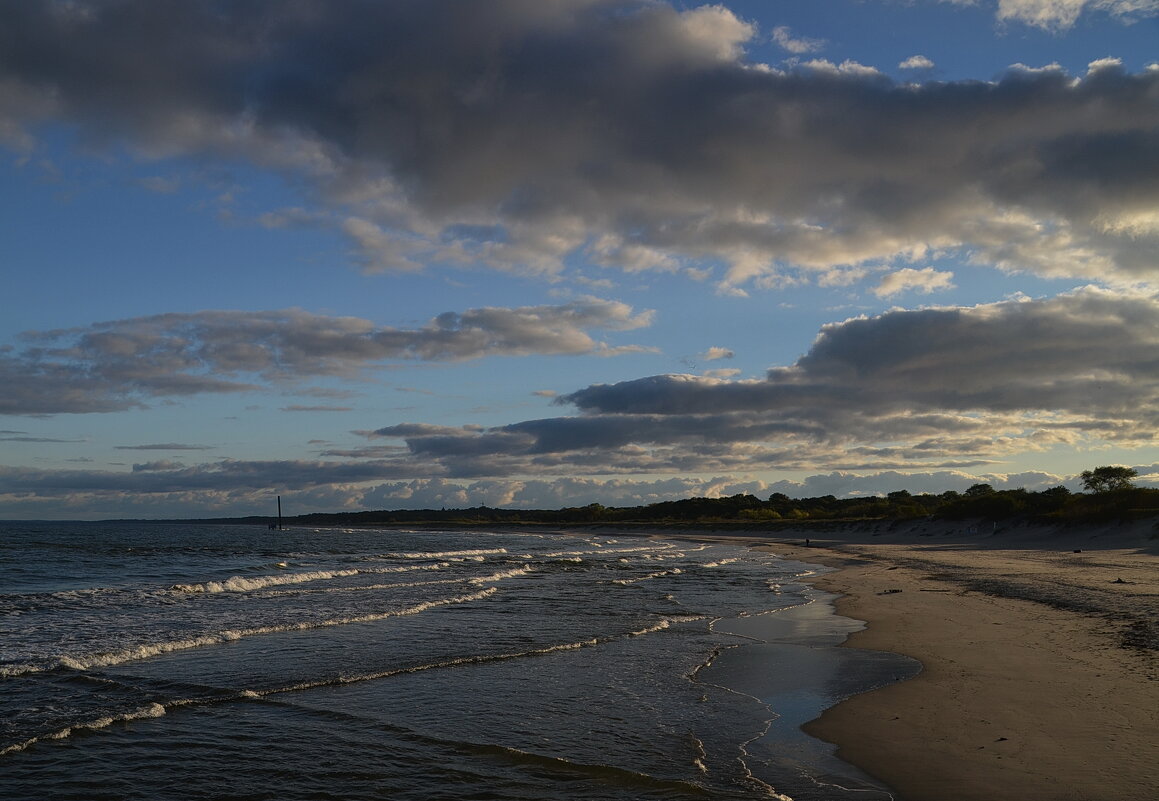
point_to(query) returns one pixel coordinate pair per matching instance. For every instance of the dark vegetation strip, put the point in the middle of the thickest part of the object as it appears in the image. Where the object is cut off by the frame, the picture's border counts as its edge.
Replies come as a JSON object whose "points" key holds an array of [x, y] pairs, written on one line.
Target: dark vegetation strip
{"points": [[741, 512]]}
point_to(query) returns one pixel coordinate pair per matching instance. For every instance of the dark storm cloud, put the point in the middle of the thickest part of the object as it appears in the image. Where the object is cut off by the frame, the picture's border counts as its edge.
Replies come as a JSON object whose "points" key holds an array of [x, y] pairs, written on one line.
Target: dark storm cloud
{"points": [[120, 364], [1086, 352], [513, 133], [224, 476]]}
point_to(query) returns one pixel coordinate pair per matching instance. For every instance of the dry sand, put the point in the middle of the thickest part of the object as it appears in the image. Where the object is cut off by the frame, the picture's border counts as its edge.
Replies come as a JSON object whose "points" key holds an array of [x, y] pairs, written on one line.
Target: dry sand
{"points": [[1040, 676]]}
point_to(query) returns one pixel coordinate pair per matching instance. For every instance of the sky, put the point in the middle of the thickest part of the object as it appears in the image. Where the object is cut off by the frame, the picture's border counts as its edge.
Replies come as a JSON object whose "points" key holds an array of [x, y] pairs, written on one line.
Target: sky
{"points": [[547, 253]]}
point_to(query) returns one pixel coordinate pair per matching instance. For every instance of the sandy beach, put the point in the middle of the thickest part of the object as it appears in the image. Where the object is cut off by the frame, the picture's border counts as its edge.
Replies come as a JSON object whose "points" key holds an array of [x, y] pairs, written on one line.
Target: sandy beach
{"points": [[1040, 676]]}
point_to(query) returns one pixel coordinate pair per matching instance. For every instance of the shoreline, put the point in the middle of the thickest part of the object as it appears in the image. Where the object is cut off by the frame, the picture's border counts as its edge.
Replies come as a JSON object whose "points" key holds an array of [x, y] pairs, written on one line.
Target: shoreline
{"points": [[1040, 675], [1039, 646]]}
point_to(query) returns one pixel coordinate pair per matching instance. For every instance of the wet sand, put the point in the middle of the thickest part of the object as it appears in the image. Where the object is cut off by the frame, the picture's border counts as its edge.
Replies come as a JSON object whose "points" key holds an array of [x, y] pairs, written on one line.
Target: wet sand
{"points": [[1040, 677]]}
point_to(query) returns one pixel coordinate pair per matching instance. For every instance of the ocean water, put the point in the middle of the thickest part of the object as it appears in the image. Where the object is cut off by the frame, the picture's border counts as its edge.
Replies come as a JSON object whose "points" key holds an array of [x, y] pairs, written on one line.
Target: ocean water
{"points": [[161, 661]]}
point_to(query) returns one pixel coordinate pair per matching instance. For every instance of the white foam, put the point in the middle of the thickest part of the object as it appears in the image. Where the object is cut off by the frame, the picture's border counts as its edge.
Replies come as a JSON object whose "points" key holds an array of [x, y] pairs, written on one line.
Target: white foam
{"points": [[8, 671], [251, 583], [446, 554], [642, 549], [502, 574], [359, 588], [701, 754], [686, 618], [663, 624], [673, 572], [230, 635], [145, 712]]}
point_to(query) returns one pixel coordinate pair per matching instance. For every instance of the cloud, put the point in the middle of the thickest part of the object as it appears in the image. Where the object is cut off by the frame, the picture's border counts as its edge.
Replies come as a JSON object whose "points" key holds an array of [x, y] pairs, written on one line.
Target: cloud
{"points": [[715, 353], [783, 36], [847, 68], [15, 436], [723, 372], [844, 485], [925, 280], [1088, 351], [121, 364], [164, 446], [162, 464], [917, 62], [937, 387], [299, 408], [224, 476], [521, 135], [1061, 15]]}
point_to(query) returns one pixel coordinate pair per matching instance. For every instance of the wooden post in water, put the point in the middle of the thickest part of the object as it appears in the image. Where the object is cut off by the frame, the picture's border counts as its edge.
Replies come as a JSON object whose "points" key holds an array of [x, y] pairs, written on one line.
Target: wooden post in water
{"points": [[279, 513]]}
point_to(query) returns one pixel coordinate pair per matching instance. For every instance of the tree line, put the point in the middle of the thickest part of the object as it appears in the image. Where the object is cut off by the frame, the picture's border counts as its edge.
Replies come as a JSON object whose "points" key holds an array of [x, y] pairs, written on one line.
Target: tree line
{"points": [[1109, 495]]}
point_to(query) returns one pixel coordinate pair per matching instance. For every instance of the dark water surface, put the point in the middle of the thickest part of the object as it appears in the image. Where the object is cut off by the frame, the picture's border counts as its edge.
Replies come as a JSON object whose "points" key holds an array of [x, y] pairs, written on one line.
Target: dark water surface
{"points": [[160, 661]]}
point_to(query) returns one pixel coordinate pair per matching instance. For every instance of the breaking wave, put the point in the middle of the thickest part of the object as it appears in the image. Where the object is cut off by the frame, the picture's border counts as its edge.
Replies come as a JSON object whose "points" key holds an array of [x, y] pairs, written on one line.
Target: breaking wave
{"points": [[230, 635], [153, 710], [251, 583], [659, 574], [446, 554]]}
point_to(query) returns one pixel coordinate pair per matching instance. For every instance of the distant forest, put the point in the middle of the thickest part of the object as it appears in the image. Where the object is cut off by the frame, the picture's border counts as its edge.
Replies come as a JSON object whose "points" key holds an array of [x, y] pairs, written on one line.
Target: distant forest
{"points": [[979, 502]]}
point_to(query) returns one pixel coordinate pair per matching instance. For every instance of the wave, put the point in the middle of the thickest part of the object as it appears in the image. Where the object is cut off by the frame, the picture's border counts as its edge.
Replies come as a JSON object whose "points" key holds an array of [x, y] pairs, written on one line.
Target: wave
{"points": [[477, 659], [502, 574], [231, 635], [745, 756], [251, 583], [658, 548], [153, 710], [673, 572], [663, 624], [17, 669], [600, 773], [359, 588], [446, 554]]}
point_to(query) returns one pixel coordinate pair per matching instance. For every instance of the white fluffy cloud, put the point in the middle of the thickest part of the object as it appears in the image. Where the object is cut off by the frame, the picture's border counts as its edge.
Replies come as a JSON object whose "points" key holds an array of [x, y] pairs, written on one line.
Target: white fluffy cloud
{"points": [[1062, 14], [715, 353], [918, 62], [797, 45], [925, 280]]}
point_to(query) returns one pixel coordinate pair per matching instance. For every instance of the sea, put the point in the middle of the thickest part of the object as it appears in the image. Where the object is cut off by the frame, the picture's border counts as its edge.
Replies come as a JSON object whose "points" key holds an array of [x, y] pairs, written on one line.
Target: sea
{"points": [[190, 661]]}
